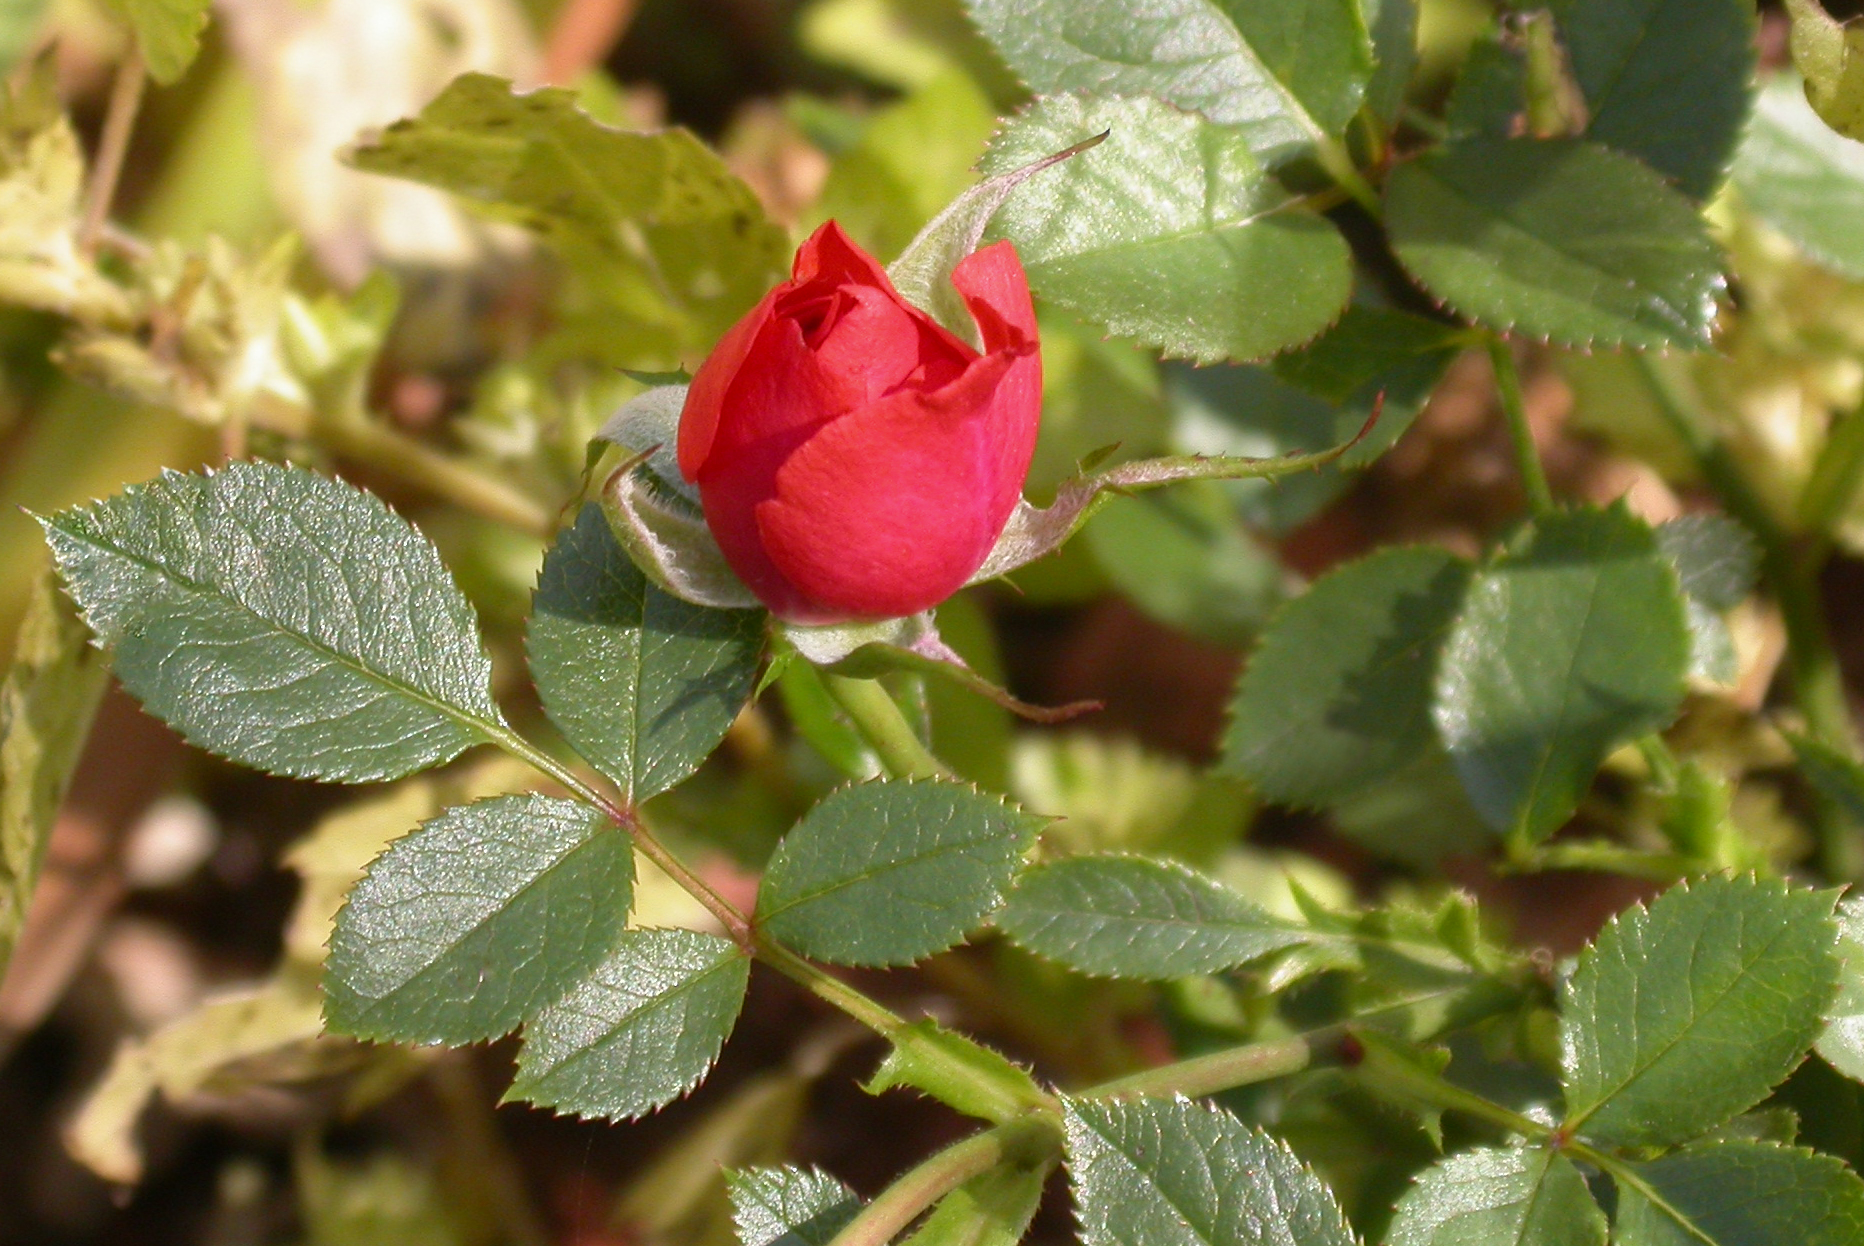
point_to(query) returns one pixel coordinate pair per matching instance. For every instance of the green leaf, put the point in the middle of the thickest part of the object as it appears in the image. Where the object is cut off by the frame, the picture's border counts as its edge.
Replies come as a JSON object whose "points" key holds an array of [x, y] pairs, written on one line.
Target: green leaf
{"points": [[1317, 396], [1491, 1196], [642, 684], [1664, 80], [788, 1206], [1557, 239], [1802, 179], [1182, 556], [1133, 917], [1283, 72], [1842, 1043], [1170, 232], [674, 238], [471, 924], [1571, 642], [991, 1209], [889, 873], [1837, 775], [1741, 1194], [1716, 561], [1490, 91], [1831, 56], [285, 620], [168, 32], [1681, 1015], [1177, 1173], [1392, 25], [1337, 697], [640, 1031], [959, 1073], [46, 702]]}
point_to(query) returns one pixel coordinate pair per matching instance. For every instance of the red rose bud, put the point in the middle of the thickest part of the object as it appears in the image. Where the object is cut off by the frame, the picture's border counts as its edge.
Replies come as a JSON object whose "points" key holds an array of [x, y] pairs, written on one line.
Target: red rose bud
{"points": [[855, 459]]}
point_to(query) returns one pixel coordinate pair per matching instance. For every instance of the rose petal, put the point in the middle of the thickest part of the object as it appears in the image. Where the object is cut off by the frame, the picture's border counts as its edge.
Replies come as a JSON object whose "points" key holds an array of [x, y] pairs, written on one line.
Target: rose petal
{"points": [[995, 290], [705, 397], [888, 510]]}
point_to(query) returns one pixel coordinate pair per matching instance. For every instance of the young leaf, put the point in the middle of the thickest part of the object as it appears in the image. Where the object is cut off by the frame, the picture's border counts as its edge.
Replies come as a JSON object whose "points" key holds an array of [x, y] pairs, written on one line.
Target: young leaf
{"points": [[1337, 696], [657, 218], [788, 1206], [642, 684], [1557, 239], [1664, 80], [466, 927], [1490, 91], [168, 33], [46, 703], [1802, 179], [1177, 1173], [1571, 642], [637, 1033], [957, 1072], [1842, 1043], [1741, 1194], [1170, 232], [1831, 56], [285, 620], [1283, 72], [1133, 917], [991, 1209], [1685, 1013], [1517, 1196], [889, 873]]}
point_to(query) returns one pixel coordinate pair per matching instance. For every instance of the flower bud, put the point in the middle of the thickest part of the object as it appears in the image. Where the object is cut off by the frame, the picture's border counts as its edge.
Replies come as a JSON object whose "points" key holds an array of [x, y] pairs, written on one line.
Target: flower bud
{"points": [[854, 458]]}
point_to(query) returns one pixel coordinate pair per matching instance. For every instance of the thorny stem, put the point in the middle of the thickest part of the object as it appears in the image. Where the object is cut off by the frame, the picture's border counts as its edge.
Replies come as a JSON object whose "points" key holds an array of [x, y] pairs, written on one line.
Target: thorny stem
{"points": [[112, 147], [878, 718], [1818, 683], [1520, 434]]}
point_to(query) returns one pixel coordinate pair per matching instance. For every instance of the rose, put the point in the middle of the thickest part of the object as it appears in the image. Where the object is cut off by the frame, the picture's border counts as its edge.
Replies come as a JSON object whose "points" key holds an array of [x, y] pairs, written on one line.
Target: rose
{"points": [[854, 458]]}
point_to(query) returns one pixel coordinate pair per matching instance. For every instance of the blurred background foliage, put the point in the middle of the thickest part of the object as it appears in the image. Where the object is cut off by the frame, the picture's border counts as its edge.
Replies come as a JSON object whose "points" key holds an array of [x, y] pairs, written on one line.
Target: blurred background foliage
{"points": [[163, 1076]]}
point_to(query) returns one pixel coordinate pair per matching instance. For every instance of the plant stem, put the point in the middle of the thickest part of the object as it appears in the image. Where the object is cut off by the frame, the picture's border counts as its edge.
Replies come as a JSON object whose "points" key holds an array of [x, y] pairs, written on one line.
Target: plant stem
{"points": [[736, 925], [876, 715], [1031, 1140], [1400, 1079], [112, 147], [382, 448], [1220, 1070], [1527, 455], [828, 988], [1834, 481], [1339, 165]]}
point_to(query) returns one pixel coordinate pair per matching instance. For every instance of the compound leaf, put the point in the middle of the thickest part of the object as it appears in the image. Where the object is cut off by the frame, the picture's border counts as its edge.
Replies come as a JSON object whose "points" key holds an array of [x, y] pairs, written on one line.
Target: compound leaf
{"points": [[1283, 72], [1571, 642], [1517, 1196], [1133, 917], [1337, 696], [888, 873], [1741, 1194], [285, 620], [490, 911], [1170, 232], [788, 1206], [1178, 1173], [1681, 1015], [637, 1033], [642, 684], [1664, 80], [1558, 239]]}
